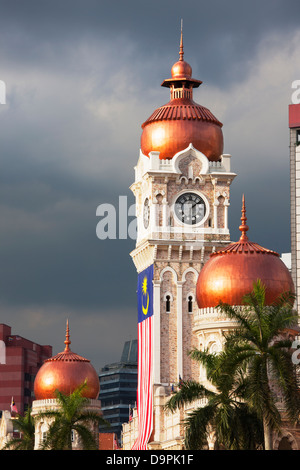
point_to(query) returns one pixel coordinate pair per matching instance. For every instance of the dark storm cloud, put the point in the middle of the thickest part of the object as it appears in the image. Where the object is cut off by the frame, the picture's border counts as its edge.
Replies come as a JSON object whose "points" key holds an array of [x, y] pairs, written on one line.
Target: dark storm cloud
{"points": [[218, 35], [81, 77]]}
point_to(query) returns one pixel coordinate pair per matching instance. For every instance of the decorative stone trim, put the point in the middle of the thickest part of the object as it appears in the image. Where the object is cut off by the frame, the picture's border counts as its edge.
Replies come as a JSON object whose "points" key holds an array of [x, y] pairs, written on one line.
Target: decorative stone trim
{"points": [[289, 437]]}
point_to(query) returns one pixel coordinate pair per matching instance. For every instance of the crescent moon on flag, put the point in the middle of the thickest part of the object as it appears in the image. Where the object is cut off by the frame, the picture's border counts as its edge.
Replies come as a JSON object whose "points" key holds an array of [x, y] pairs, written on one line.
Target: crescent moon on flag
{"points": [[145, 291], [145, 310]]}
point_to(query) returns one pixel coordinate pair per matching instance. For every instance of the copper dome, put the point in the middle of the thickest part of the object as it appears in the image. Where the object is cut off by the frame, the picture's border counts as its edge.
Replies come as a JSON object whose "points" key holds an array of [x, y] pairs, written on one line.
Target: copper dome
{"points": [[229, 274], [180, 122], [65, 372], [181, 69]]}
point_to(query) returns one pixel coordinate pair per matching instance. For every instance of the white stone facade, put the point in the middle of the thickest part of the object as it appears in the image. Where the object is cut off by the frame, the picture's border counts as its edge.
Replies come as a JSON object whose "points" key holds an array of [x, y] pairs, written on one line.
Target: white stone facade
{"points": [[177, 251], [6, 428]]}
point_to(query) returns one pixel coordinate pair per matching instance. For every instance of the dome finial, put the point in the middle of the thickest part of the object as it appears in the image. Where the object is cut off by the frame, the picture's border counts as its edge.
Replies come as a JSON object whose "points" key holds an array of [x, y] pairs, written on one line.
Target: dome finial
{"points": [[66, 371], [181, 42], [67, 340], [243, 227]]}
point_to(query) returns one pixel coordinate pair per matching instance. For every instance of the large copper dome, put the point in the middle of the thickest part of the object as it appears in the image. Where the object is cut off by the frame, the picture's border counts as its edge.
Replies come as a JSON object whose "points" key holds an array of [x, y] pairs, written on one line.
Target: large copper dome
{"points": [[65, 372], [229, 274], [172, 127]]}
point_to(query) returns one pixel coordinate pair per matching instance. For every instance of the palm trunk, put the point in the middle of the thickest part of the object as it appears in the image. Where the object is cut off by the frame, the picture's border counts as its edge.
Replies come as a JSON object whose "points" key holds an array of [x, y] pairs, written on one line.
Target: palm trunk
{"points": [[268, 436]]}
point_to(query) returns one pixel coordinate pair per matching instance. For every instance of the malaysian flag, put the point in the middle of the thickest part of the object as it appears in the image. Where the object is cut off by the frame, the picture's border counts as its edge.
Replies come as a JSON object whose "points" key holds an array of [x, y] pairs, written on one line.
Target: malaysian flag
{"points": [[13, 407], [145, 384]]}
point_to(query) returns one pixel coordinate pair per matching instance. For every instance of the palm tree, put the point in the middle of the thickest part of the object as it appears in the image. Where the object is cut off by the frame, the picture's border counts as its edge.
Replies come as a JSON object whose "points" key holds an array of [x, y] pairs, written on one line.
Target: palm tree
{"points": [[258, 349], [224, 412], [71, 417], [25, 425]]}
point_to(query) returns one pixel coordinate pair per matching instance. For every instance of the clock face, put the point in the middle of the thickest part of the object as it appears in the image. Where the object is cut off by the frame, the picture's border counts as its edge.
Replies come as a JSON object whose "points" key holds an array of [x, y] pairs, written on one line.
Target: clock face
{"points": [[146, 214], [190, 208]]}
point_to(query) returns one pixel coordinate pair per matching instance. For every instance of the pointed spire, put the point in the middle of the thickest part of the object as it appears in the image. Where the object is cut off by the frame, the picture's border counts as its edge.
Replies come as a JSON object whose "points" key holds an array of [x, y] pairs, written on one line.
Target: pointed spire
{"points": [[181, 43], [67, 340], [181, 72], [243, 227]]}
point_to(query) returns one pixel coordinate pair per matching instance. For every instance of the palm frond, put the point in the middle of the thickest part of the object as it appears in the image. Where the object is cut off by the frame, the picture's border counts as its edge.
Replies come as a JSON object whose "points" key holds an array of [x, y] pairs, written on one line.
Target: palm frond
{"points": [[71, 416], [189, 392], [197, 427]]}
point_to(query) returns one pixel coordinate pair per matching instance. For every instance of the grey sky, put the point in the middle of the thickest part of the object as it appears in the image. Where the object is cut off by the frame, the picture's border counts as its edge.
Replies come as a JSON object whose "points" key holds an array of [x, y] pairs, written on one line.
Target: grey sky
{"points": [[81, 77]]}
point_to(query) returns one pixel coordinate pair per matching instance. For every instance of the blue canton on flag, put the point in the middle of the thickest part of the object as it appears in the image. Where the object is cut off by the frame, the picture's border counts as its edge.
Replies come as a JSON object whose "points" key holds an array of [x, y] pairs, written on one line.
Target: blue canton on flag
{"points": [[145, 294], [145, 360]]}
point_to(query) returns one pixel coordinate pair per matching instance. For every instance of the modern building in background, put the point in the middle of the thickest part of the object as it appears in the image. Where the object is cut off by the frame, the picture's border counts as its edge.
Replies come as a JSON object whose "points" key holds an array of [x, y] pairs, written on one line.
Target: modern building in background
{"points": [[118, 388], [294, 125], [20, 360]]}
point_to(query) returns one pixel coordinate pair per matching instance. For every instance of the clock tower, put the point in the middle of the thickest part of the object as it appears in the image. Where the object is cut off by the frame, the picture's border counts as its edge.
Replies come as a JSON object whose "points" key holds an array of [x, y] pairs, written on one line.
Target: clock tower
{"points": [[182, 190]]}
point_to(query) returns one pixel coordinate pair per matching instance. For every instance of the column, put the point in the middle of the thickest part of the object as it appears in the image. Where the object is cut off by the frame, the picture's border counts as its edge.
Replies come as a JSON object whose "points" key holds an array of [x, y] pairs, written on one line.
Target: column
{"points": [[179, 330], [165, 214], [216, 203], [156, 332], [153, 217], [226, 205]]}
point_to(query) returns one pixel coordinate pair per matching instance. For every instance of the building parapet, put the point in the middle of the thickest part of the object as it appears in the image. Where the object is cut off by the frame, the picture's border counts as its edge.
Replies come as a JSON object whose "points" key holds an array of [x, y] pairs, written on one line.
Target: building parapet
{"points": [[48, 403], [212, 318]]}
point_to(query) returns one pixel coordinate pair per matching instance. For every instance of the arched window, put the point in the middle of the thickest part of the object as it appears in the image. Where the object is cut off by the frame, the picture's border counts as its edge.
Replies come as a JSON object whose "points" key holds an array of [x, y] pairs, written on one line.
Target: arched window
{"points": [[190, 304], [168, 303], [284, 444], [190, 299], [168, 298]]}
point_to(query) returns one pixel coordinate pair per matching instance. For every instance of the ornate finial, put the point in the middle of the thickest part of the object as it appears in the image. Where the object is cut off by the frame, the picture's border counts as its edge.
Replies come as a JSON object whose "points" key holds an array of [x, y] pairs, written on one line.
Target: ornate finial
{"points": [[244, 227], [67, 340], [181, 43]]}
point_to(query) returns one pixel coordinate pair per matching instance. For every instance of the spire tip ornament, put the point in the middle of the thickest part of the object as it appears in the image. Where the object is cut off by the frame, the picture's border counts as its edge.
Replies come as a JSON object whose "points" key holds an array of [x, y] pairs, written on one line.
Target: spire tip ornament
{"points": [[243, 227], [181, 53], [67, 340]]}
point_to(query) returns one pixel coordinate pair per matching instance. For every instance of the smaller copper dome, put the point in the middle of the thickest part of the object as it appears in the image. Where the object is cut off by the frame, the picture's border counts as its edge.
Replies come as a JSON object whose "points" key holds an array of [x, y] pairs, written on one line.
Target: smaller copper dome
{"points": [[181, 69], [229, 274], [65, 372]]}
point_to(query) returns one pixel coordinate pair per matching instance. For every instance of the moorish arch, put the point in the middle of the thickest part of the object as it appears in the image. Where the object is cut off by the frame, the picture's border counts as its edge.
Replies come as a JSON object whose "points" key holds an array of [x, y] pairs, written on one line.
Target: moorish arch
{"points": [[286, 441]]}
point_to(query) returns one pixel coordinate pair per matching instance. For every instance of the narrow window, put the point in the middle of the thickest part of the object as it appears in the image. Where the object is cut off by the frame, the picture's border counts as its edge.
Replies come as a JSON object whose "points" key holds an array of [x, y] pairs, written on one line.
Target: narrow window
{"points": [[190, 304], [168, 304], [298, 137]]}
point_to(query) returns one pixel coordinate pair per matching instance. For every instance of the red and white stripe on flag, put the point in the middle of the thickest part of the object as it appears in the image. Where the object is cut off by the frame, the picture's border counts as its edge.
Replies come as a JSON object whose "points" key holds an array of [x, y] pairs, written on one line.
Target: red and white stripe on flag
{"points": [[145, 384]]}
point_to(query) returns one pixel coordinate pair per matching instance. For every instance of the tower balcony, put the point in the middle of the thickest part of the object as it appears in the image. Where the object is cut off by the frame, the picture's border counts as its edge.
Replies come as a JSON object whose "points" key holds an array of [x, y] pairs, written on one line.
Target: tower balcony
{"points": [[211, 319]]}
